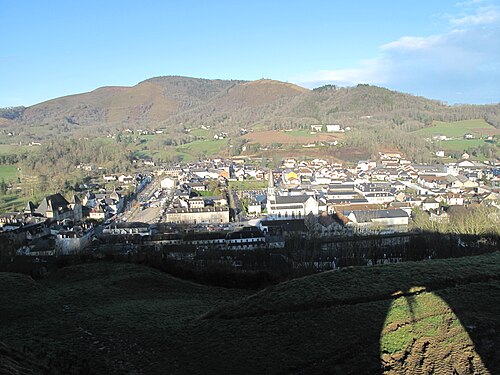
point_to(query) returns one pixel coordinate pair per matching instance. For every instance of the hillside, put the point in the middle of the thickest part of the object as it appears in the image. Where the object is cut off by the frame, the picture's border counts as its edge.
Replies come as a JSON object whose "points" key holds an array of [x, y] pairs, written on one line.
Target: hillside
{"points": [[432, 317], [176, 102]]}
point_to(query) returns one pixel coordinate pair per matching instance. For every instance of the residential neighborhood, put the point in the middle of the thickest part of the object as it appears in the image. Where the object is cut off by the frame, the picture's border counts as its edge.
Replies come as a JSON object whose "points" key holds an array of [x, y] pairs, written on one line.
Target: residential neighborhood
{"points": [[250, 207]]}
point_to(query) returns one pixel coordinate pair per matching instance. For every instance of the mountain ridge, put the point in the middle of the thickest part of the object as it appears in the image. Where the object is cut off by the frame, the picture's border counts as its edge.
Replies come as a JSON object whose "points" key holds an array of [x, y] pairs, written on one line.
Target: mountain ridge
{"points": [[177, 102]]}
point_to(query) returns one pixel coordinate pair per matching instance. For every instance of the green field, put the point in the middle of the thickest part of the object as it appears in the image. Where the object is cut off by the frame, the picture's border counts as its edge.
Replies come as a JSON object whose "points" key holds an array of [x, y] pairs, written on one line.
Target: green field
{"points": [[462, 144], [14, 149], [8, 172], [248, 184], [203, 133], [440, 316], [202, 147], [459, 128], [11, 202]]}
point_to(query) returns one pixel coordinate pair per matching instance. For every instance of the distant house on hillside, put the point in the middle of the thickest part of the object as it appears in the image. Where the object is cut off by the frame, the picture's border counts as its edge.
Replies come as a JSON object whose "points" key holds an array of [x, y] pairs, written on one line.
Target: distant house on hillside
{"points": [[334, 128]]}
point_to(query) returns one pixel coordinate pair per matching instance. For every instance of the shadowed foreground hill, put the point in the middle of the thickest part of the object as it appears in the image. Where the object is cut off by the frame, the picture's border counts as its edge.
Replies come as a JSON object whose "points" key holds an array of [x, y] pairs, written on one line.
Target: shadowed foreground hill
{"points": [[430, 317]]}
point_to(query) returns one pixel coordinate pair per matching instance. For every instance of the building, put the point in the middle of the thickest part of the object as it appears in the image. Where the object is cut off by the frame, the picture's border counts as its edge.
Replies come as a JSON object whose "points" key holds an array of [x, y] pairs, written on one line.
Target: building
{"points": [[375, 218], [55, 207], [74, 240], [334, 128], [249, 238], [202, 215], [289, 206], [168, 183], [134, 228]]}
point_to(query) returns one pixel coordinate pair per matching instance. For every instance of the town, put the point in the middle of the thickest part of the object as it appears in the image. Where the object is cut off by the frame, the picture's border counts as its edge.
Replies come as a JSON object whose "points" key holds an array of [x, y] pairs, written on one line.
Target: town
{"points": [[233, 206]]}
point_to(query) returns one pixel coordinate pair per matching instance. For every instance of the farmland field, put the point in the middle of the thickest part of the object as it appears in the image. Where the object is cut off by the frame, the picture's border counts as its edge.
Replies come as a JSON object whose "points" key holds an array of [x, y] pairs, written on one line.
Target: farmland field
{"points": [[292, 137], [208, 147], [11, 202], [459, 128], [8, 172], [13, 149], [461, 144]]}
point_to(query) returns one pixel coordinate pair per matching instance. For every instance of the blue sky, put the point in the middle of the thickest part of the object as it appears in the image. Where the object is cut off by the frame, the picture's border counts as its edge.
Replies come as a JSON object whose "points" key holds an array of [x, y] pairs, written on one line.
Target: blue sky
{"points": [[446, 50]]}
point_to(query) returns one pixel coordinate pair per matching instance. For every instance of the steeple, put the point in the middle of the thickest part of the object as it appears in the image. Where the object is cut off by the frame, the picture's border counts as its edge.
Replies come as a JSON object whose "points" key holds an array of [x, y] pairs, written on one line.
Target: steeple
{"points": [[271, 191]]}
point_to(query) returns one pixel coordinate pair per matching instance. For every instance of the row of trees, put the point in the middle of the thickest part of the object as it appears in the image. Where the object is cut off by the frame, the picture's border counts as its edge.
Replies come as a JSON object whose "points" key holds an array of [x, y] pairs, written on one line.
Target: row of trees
{"points": [[472, 220]]}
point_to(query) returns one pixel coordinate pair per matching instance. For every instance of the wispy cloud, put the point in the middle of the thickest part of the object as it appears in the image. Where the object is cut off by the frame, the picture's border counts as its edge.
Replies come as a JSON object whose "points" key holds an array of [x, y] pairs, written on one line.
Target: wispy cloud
{"points": [[413, 42], [460, 65], [469, 3], [366, 71], [482, 16]]}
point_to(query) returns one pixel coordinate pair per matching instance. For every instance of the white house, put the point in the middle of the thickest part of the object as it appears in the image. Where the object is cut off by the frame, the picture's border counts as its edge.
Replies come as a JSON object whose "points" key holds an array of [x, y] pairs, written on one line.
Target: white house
{"points": [[365, 218], [73, 241], [168, 183], [334, 128]]}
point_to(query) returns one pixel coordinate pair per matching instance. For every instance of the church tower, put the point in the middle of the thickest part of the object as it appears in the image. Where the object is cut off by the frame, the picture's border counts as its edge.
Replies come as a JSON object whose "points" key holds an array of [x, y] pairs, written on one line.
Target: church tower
{"points": [[271, 190]]}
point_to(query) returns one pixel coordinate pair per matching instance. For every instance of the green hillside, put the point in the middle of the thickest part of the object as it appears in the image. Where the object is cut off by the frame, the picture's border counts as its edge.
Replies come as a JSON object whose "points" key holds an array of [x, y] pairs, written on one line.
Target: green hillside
{"points": [[477, 127], [8, 172], [430, 317]]}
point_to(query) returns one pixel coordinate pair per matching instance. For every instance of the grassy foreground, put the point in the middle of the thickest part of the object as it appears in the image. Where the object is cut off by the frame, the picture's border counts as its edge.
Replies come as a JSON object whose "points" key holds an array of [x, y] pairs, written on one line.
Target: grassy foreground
{"points": [[429, 317]]}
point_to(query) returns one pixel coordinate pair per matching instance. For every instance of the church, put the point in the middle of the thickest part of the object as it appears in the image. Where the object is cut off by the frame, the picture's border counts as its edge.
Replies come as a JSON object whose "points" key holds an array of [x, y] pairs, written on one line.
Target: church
{"points": [[289, 206]]}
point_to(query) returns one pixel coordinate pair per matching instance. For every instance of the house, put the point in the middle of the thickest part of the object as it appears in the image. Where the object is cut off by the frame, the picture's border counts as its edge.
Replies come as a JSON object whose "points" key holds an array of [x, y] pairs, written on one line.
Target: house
{"points": [[167, 183], [198, 186], [370, 218], [206, 240], [196, 202], [289, 163], [292, 206], [125, 179], [454, 199], [204, 215], [76, 205], [97, 213], [133, 228], [109, 178], [465, 163], [440, 154], [316, 128], [439, 216], [289, 206], [55, 207], [334, 128], [254, 207], [249, 238], [430, 204], [365, 165], [74, 240], [381, 197], [325, 224]]}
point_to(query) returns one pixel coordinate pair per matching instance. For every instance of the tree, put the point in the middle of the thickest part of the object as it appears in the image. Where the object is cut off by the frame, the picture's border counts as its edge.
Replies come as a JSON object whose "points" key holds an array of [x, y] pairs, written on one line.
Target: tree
{"points": [[3, 187]]}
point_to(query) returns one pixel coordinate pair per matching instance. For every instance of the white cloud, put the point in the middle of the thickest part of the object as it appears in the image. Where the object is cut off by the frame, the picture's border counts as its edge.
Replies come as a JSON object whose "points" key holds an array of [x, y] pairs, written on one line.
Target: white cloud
{"points": [[367, 71], [469, 3], [460, 65], [483, 16], [413, 42]]}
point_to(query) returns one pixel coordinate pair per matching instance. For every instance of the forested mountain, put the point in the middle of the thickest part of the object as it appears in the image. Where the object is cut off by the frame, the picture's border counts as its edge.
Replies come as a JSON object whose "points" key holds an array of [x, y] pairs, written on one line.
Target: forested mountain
{"points": [[178, 102]]}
